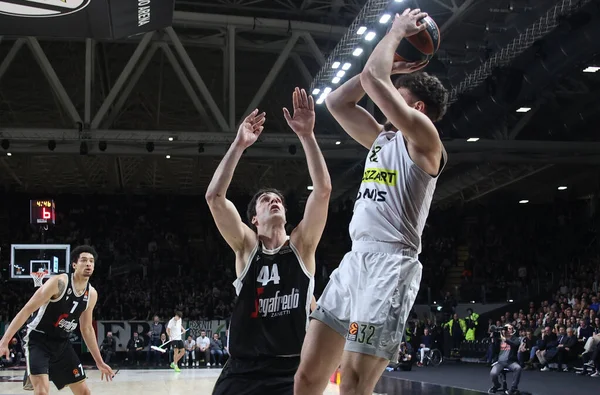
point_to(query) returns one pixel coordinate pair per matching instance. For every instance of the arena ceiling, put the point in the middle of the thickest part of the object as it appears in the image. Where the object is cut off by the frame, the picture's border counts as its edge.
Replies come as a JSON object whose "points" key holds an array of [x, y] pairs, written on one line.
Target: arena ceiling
{"points": [[194, 82]]}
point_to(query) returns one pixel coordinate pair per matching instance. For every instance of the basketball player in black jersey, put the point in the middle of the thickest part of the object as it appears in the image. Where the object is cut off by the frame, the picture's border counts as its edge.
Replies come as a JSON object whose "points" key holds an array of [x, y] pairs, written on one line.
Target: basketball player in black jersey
{"points": [[274, 271], [62, 303]]}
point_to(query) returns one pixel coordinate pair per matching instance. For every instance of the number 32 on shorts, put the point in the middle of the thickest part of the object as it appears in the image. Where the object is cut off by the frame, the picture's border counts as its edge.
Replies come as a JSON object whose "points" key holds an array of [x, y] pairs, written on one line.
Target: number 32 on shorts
{"points": [[361, 333]]}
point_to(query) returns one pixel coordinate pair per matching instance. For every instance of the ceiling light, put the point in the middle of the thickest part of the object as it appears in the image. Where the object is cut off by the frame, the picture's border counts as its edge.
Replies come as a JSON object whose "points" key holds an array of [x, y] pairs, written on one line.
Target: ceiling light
{"points": [[8, 154], [338, 142], [357, 52], [370, 36], [316, 91], [335, 80], [361, 30], [170, 138], [524, 109], [591, 69], [326, 91], [473, 139], [340, 73], [321, 99], [524, 201], [168, 156], [562, 188], [385, 18], [335, 65], [346, 66], [310, 187]]}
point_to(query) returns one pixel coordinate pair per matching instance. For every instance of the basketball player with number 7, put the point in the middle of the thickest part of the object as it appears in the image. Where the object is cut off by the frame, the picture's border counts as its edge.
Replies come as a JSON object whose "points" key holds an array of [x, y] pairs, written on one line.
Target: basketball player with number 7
{"points": [[62, 303], [361, 315], [275, 272]]}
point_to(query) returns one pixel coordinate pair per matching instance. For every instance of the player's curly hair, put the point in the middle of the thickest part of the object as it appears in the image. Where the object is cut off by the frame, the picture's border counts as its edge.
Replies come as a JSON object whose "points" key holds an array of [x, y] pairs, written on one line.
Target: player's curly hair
{"points": [[82, 249], [428, 89], [251, 210]]}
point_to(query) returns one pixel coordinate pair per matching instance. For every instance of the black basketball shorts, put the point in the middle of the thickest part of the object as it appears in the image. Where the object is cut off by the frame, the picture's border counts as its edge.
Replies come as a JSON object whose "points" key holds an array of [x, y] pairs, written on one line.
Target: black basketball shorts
{"points": [[177, 344], [54, 357], [273, 376]]}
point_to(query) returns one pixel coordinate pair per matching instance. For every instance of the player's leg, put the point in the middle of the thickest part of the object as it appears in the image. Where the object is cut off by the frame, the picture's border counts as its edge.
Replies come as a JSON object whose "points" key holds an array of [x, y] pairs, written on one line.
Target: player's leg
{"points": [[321, 354], [40, 384], [324, 341], [80, 388], [360, 373], [37, 357], [378, 321]]}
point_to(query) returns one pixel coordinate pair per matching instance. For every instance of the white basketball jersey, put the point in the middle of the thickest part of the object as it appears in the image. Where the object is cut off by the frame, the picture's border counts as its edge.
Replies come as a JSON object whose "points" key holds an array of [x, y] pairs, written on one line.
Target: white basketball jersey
{"points": [[395, 195]]}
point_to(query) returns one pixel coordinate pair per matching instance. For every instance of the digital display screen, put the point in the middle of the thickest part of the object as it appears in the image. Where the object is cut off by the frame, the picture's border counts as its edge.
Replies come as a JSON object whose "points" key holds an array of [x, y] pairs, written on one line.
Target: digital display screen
{"points": [[42, 212]]}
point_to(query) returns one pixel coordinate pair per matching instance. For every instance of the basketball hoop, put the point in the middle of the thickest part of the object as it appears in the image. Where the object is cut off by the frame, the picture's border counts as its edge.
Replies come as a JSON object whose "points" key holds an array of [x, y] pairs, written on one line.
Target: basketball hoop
{"points": [[38, 277]]}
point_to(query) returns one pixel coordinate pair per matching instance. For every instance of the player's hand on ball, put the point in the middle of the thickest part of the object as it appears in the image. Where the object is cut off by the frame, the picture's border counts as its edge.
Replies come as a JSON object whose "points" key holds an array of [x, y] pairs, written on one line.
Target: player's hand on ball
{"points": [[403, 67], [302, 121], [407, 23], [105, 372], [250, 129]]}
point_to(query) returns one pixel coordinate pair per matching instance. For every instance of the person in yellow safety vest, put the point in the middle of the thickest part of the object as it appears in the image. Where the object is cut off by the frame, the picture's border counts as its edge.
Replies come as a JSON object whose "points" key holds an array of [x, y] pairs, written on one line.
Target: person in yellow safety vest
{"points": [[471, 323], [457, 332]]}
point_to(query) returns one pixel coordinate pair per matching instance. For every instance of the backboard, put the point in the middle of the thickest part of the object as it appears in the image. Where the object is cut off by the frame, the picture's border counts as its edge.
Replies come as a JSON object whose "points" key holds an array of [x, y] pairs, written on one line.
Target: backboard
{"points": [[28, 258]]}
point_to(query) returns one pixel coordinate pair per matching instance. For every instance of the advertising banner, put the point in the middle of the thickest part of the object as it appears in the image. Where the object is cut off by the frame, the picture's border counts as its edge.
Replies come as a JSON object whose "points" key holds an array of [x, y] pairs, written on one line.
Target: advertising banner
{"points": [[123, 330], [98, 19]]}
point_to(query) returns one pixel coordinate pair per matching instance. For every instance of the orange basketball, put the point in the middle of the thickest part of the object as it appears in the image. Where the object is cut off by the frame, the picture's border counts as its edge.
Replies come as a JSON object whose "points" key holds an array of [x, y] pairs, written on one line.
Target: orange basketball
{"points": [[422, 46]]}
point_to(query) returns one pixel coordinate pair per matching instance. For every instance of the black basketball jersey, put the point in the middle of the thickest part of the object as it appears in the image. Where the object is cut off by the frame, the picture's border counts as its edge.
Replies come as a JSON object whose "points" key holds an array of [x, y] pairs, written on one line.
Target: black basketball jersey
{"points": [[270, 316], [59, 317]]}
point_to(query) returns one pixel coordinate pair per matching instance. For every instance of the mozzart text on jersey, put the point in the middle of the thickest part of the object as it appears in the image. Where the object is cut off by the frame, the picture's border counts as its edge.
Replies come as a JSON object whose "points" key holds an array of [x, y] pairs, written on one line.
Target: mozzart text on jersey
{"points": [[67, 326], [143, 12]]}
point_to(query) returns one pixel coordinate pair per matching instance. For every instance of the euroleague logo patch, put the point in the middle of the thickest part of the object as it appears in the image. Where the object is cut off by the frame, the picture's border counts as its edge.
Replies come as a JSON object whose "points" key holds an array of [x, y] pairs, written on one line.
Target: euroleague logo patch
{"points": [[42, 8]]}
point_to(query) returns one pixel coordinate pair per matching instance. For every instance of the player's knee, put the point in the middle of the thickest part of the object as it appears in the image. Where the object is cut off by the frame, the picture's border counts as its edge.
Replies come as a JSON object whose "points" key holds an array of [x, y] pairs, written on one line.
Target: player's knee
{"points": [[350, 384], [41, 391]]}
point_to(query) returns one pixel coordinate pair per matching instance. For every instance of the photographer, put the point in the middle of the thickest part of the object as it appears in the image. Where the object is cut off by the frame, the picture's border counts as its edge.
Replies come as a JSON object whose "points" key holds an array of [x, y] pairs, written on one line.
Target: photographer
{"points": [[506, 348]]}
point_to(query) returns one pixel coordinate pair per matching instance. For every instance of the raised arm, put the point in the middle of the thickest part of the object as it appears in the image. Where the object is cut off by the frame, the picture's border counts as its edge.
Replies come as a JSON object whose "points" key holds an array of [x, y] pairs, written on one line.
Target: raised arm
{"points": [[52, 288], [89, 336], [342, 103], [415, 126], [228, 220], [308, 232]]}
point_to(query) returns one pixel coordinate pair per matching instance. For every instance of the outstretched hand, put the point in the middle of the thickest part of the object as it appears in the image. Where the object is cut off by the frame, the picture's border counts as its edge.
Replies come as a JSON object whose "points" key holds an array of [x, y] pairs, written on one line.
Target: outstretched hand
{"points": [[250, 129], [302, 121]]}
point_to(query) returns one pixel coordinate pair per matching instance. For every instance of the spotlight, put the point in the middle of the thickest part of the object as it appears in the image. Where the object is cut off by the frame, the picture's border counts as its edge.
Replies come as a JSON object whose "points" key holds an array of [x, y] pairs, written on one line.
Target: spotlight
{"points": [[5, 143], [472, 139], [168, 156], [335, 65], [310, 187], [200, 148], [340, 73], [562, 188], [370, 36], [361, 30], [102, 146], [51, 145], [524, 201], [385, 18], [524, 109], [83, 148], [357, 52], [335, 80], [316, 91], [326, 90], [346, 66], [149, 146], [8, 154], [292, 149]]}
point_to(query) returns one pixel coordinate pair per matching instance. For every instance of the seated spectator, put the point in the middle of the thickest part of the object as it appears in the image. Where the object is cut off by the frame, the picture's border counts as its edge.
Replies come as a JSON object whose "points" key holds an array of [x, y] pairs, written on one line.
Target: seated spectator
{"points": [[424, 346], [203, 348], [134, 349], [527, 344], [108, 348], [190, 347], [216, 350]]}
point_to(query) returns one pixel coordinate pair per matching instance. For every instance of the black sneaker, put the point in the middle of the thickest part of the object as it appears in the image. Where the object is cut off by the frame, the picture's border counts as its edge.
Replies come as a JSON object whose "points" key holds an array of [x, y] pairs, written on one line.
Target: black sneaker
{"points": [[493, 390]]}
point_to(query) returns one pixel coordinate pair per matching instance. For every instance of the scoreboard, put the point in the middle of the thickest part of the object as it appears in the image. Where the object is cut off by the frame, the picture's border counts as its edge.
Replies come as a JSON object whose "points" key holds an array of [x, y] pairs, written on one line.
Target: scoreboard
{"points": [[42, 212]]}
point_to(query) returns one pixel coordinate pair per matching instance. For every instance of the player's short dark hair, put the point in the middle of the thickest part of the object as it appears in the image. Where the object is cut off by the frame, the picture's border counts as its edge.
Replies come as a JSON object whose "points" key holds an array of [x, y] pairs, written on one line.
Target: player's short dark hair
{"points": [[428, 89], [251, 210], [75, 253], [178, 313]]}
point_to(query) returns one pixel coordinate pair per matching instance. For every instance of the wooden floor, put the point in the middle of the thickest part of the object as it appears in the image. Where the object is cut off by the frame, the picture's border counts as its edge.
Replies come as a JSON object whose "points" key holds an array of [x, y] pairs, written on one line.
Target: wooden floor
{"points": [[135, 382]]}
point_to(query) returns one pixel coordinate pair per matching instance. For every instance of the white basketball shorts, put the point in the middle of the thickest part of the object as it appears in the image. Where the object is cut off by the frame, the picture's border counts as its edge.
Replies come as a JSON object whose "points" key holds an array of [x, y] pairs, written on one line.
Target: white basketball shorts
{"points": [[369, 296]]}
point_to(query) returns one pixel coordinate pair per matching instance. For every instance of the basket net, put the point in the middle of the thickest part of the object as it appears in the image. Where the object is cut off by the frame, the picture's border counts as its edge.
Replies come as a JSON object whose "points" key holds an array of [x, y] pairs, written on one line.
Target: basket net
{"points": [[38, 277]]}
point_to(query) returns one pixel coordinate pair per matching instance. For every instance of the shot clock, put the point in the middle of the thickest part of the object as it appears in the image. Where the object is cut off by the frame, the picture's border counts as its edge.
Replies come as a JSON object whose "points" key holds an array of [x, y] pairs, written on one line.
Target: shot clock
{"points": [[42, 212]]}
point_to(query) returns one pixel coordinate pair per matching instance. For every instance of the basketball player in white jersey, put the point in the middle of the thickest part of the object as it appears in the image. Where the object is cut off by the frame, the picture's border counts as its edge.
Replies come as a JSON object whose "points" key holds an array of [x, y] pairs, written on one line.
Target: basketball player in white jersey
{"points": [[62, 303], [175, 330], [360, 317], [275, 272]]}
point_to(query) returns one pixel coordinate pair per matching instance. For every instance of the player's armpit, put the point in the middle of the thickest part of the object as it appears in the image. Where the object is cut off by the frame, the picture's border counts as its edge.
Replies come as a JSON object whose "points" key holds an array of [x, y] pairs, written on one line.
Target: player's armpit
{"points": [[51, 289], [355, 120]]}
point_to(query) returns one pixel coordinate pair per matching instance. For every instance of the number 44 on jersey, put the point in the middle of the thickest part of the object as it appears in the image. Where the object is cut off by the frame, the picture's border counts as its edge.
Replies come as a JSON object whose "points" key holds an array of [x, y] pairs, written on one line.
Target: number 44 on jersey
{"points": [[266, 276]]}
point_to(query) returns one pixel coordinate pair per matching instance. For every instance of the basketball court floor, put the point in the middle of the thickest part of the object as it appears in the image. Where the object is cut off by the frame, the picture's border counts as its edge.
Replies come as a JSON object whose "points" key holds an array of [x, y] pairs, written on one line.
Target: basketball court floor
{"points": [[201, 382]]}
